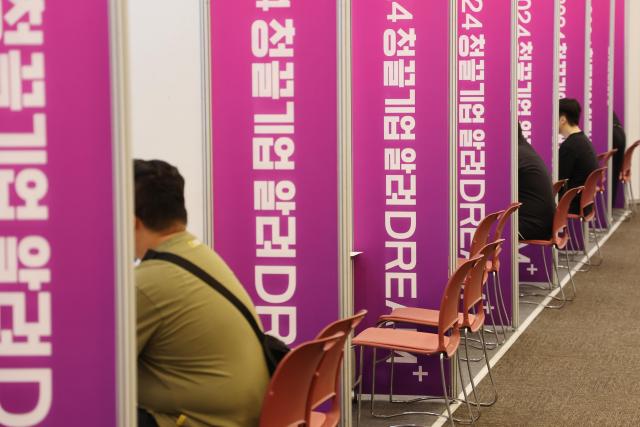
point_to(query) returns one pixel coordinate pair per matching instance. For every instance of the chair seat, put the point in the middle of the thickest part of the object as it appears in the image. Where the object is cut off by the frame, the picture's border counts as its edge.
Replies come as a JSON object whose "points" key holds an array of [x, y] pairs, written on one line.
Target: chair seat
{"points": [[317, 418], [419, 316], [400, 339], [320, 419]]}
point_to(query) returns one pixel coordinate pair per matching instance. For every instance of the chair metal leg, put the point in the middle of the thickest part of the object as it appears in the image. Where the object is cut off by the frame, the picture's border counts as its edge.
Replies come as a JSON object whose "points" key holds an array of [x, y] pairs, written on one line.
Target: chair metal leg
{"points": [[563, 299], [605, 224], [499, 287], [597, 242], [444, 390], [493, 321], [493, 385], [584, 245], [472, 419], [373, 379], [573, 285], [572, 231], [359, 398], [497, 299], [466, 352]]}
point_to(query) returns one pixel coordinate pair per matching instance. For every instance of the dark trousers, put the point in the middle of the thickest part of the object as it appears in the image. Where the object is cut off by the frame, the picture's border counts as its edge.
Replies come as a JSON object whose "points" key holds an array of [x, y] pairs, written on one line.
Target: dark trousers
{"points": [[145, 419]]}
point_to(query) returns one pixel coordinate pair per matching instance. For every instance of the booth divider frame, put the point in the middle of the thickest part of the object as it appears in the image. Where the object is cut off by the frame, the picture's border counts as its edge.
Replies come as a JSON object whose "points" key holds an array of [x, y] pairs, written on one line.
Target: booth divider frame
{"points": [[206, 113], [126, 366], [586, 108], [345, 194], [555, 132], [453, 160], [610, 75], [515, 295]]}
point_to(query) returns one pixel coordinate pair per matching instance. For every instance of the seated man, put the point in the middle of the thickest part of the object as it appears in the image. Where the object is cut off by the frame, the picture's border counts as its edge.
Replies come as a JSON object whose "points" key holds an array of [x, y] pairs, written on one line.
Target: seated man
{"points": [[577, 157], [197, 355], [535, 216]]}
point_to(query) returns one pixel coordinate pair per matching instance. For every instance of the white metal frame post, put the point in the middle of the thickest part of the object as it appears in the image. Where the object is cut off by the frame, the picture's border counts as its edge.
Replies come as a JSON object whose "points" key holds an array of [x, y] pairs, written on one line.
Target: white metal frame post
{"points": [[207, 143], [588, 76], [515, 294], [555, 109], [453, 155], [345, 194], [126, 367], [611, 99]]}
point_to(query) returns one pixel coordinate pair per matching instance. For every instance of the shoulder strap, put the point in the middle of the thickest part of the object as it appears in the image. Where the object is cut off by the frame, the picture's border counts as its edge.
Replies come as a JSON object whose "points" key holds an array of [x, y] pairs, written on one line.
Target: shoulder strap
{"points": [[208, 279]]}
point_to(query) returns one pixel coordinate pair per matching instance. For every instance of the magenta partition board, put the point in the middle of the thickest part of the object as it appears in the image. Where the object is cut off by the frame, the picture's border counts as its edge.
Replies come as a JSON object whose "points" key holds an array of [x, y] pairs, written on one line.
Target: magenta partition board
{"points": [[275, 158], [619, 89], [401, 167], [572, 50], [536, 22], [484, 123], [57, 269], [600, 59]]}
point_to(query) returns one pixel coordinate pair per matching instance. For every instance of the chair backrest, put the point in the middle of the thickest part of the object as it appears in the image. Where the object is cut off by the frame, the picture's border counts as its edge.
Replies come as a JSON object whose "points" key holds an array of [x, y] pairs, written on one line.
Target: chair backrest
{"points": [[502, 222], [588, 195], [557, 186], [286, 402], [483, 230], [473, 287], [560, 235], [625, 171], [327, 384], [448, 317], [603, 158]]}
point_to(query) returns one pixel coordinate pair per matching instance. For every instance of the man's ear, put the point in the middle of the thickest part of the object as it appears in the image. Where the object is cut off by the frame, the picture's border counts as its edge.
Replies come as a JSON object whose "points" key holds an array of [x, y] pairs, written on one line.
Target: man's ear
{"points": [[137, 224]]}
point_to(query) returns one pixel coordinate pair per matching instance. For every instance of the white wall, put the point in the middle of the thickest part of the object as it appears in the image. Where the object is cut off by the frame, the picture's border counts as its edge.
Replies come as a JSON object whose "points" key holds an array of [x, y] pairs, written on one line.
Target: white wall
{"points": [[166, 92], [633, 88]]}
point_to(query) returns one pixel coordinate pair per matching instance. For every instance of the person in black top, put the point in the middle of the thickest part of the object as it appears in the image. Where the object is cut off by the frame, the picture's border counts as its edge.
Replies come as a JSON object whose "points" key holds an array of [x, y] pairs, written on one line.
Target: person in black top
{"points": [[619, 142], [535, 216], [577, 157]]}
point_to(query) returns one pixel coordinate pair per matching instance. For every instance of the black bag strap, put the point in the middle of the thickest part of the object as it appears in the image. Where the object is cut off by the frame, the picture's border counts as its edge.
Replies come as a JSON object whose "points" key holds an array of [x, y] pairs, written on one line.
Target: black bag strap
{"points": [[208, 279]]}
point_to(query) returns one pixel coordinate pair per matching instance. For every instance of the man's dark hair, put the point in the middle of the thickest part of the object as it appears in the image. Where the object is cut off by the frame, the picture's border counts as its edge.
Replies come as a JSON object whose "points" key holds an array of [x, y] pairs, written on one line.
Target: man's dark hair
{"points": [[570, 108], [159, 194]]}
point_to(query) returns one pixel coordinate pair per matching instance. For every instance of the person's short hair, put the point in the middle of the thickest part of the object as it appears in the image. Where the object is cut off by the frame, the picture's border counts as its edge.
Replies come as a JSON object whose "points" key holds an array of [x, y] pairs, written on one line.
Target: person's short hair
{"points": [[570, 108], [159, 194]]}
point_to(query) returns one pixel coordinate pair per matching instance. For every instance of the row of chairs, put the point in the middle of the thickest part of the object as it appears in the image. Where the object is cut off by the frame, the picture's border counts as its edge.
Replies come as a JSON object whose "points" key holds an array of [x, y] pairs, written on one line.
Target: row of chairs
{"points": [[452, 324], [592, 219], [308, 378]]}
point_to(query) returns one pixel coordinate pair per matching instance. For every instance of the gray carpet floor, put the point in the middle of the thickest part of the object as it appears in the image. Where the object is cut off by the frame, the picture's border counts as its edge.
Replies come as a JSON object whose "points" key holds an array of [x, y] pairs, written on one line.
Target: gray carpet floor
{"points": [[579, 366]]}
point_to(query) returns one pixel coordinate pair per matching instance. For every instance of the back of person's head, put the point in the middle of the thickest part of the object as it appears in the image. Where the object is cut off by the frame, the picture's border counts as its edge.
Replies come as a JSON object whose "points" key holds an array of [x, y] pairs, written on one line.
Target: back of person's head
{"points": [[159, 194], [571, 110]]}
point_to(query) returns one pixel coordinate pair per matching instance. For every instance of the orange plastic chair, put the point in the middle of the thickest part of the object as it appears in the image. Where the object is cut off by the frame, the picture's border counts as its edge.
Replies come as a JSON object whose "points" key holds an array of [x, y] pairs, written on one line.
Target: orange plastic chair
{"points": [[471, 318], [558, 241], [327, 385], [482, 234], [625, 177], [286, 402], [588, 210], [493, 266], [478, 241], [444, 343], [603, 159], [558, 185]]}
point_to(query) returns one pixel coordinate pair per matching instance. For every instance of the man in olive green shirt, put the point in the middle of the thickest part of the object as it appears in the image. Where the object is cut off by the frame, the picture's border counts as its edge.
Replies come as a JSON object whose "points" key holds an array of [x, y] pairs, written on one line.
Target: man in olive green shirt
{"points": [[198, 358]]}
